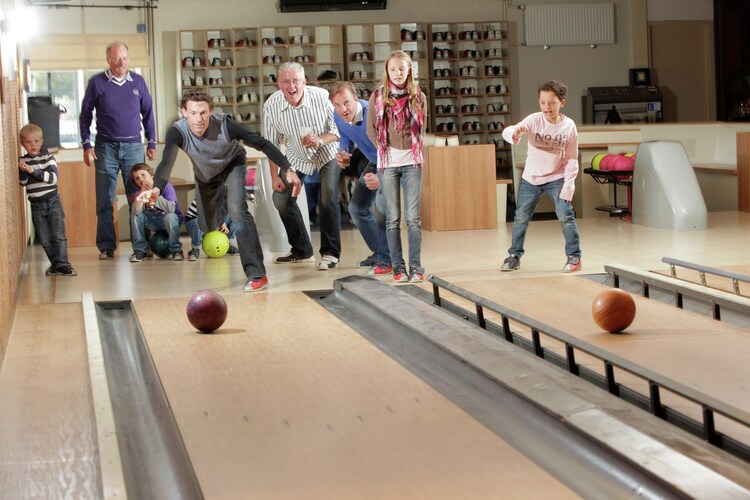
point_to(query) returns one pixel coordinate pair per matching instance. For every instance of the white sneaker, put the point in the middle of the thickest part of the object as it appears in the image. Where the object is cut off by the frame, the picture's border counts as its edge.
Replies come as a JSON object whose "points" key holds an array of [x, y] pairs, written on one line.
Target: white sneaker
{"points": [[327, 262]]}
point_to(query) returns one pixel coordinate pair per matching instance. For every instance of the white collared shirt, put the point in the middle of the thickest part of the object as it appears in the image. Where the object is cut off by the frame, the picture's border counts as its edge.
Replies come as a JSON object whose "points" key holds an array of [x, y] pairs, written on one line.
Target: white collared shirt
{"points": [[283, 122], [118, 81]]}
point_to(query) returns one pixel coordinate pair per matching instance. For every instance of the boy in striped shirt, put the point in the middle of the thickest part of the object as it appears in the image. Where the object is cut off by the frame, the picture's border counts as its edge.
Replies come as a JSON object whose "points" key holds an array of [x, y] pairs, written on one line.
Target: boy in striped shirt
{"points": [[37, 170]]}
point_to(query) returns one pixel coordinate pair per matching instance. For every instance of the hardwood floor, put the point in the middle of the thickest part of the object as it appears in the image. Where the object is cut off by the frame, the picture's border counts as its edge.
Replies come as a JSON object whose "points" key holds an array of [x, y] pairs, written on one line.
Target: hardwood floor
{"points": [[47, 444], [452, 255]]}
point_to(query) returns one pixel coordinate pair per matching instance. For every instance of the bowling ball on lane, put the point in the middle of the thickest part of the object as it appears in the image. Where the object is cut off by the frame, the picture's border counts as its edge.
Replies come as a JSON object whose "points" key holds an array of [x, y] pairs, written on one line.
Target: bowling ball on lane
{"points": [[215, 244], [613, 310], [207, 311]]}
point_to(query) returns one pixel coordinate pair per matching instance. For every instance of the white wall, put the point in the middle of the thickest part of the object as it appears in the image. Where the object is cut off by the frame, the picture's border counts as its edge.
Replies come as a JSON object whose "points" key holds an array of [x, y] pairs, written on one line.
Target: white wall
{"points": [[579, 67], [680, 10]]}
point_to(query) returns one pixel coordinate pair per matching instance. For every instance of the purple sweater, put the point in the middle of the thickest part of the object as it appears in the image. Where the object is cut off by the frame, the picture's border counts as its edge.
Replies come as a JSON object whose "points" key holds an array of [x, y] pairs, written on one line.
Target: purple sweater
{"points": [[120, 111]]}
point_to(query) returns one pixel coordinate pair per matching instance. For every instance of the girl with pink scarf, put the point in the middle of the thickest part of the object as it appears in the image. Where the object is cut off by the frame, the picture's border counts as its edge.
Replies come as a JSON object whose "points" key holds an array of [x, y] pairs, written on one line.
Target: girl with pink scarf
{"points": [[395, 125]]}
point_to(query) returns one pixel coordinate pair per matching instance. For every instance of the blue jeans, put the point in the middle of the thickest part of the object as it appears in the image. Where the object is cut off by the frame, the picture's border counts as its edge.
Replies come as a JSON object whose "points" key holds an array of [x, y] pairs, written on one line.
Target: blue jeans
{"points": [[330, 215], [49, 226], [155, 222], [394, 179], [371, 223], [112, 157], [225, 192], [193, 229], [528, 198]]}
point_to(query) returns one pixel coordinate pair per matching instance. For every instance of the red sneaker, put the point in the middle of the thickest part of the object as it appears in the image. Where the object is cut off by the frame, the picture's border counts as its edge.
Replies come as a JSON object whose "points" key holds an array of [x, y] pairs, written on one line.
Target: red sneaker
{"points": [[380, 269], [401, 276], [255, 285]]}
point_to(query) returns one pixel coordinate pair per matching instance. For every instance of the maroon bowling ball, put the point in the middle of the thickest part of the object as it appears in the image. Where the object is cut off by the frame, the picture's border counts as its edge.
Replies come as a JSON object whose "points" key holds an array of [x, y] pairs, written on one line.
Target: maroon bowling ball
{"points": [[207, 311]]}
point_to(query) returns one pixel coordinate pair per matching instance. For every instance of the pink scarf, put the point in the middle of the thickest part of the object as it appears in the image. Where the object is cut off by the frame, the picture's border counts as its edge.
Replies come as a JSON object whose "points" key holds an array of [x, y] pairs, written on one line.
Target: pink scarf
{"points": [[399, 113]]}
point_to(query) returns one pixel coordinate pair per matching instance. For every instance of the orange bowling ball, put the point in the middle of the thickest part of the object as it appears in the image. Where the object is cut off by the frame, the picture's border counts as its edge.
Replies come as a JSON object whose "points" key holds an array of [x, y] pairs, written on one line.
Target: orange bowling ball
{"points": [[613, 310]]}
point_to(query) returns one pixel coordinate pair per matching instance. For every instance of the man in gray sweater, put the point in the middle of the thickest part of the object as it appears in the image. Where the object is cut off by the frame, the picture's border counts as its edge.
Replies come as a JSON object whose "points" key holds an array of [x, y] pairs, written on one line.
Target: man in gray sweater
{"points": [[213, 143]]}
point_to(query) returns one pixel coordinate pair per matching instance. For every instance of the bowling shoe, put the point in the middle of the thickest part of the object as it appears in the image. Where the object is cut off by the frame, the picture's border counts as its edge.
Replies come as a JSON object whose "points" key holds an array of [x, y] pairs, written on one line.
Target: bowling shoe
{"points": [[380, 269], [176, 255], [573, 264], [511, 263], [65, 270], [293, 258], [327, 262], [368, 262], [255, 285], [416, 277], [137, 256], [400, 275]]}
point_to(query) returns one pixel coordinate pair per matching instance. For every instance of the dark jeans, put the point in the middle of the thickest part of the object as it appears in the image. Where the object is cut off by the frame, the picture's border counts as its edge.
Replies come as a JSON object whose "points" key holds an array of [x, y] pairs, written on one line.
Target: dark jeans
{"points": [[330, 215], [367, 210], [230, 185], [49, 226]]}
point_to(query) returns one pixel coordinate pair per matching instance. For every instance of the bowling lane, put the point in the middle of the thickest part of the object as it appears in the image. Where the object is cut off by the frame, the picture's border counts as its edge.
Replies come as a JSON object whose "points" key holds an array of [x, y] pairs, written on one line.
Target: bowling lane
{"points": [[695, 350], [286, 401]]}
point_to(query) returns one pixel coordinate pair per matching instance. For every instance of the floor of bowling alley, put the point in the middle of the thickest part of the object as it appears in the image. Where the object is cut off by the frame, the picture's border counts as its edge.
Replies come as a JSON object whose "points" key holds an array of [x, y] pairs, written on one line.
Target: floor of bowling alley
{"points": [[48, 436]]}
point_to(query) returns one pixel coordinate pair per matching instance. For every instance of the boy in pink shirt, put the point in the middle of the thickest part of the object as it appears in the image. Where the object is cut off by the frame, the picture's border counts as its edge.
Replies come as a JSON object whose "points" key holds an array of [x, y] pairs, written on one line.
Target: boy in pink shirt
{"points": [[551, 168]]}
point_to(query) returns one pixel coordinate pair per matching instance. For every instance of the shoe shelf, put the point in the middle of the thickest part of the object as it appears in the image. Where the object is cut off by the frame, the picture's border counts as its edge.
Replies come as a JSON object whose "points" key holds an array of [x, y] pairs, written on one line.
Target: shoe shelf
{"points": [[237, 67], [462, 67], [470, 82], [368, 46]]}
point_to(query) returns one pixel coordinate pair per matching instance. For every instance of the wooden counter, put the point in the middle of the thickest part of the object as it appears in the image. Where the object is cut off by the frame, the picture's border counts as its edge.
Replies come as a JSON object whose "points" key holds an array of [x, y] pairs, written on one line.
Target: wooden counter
{"points": [[459, 188]]}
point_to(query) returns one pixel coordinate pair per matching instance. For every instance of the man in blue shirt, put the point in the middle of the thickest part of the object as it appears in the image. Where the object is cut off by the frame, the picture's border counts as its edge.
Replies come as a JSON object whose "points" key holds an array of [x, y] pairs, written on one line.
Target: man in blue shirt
{"points": [[351, 120], [122, 103]]}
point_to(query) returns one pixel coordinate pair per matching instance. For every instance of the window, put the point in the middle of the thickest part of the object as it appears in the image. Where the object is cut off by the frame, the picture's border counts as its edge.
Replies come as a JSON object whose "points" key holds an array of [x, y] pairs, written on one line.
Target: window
{"points": [[67, 89]]}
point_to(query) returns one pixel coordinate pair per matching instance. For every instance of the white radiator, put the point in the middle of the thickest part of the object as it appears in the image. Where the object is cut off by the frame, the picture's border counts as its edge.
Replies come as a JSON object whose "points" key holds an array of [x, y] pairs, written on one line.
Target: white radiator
{"points": [[571, 24]]}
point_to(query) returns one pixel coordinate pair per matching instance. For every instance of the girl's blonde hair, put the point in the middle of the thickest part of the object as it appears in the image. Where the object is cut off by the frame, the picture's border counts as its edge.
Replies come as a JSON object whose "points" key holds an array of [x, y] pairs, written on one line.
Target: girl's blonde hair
{"points": [[411, 85]]}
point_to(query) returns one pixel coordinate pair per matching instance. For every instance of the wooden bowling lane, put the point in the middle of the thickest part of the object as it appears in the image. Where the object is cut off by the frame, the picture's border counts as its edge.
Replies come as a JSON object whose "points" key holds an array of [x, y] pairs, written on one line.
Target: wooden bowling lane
{"points": [[48, 439], [695, 350], [286, 401]]}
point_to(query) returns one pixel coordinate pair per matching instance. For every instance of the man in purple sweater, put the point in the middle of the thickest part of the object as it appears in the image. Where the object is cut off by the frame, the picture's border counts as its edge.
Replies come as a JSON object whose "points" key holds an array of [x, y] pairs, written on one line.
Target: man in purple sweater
{"points": [[122, 103]]}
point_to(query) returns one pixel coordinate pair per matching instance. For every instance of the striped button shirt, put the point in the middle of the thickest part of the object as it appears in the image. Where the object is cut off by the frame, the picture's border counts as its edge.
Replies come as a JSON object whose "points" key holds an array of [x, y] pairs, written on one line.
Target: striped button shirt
{"points": [[41, 184], [282, 124]]}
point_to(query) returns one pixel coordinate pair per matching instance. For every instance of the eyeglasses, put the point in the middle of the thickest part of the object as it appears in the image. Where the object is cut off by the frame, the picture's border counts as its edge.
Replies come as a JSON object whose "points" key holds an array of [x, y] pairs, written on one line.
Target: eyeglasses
{"points": [[118, 59], [291, 82]]}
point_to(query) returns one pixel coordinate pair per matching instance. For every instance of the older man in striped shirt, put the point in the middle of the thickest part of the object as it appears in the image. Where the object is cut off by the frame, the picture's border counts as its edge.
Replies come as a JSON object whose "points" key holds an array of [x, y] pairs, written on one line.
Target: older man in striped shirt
{"points": [[301, 118]]}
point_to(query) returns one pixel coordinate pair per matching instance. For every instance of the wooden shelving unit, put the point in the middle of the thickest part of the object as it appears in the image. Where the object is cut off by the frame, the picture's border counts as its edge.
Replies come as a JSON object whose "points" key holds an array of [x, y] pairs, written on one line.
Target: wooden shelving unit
{"points": [[462, 67]]}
